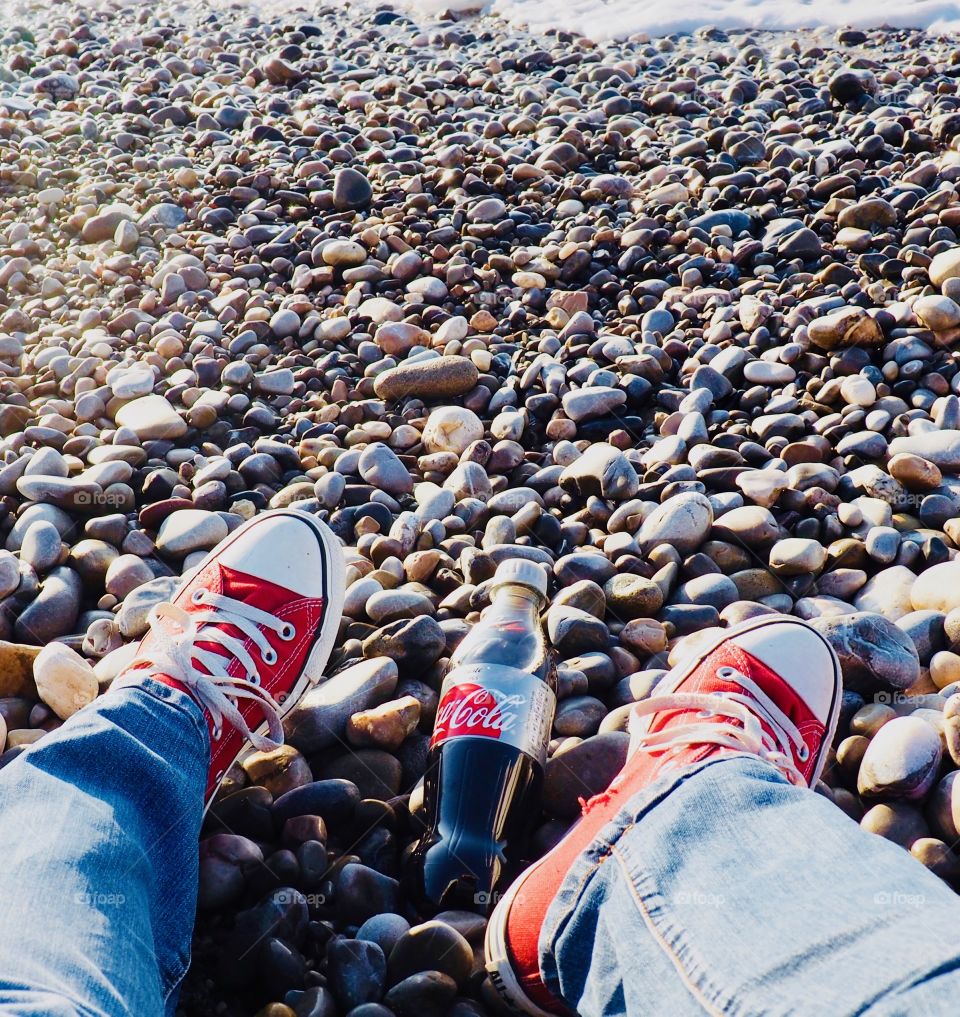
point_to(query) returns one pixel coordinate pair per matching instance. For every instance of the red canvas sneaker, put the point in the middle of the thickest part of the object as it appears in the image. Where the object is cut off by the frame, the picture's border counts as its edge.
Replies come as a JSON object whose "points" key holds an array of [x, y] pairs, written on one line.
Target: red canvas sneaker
{"points": [[769, 688], [250, 631]]}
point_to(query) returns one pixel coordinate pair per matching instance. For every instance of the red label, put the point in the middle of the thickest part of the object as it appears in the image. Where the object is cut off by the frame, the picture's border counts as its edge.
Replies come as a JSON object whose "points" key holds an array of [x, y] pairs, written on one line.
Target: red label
{"points": [[493, 701], [471, 709]]}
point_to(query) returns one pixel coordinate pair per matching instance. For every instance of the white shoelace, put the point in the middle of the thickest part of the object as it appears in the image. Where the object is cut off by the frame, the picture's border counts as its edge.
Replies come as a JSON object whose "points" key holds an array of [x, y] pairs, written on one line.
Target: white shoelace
{"points": [[777, 748], [175, 654]]}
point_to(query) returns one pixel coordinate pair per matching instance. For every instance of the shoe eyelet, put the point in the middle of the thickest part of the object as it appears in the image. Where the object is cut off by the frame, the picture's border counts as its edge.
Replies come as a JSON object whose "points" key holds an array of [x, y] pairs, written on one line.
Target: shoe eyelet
{"points": [[217, 732], [196, 597], [287, 632], [803, 753], [269, 656], [726, 673]]}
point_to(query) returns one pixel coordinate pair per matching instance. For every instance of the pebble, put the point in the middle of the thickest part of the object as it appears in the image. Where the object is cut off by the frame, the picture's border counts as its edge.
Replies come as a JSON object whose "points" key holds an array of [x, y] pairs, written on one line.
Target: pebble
{"points": [[683, 522], [942, 448], [362, 893], [65, 681], [321, 716], [225, 862], [152, 417], [356, 970], [901, 761], [279, 770], [41, 547], [54, 611], [440, 378], [379, 466], [628, 596], [124, 574], [137, 604], [425, 994], [452, 429], [384, 726], [873, 652], [889, 593], [432, 946], [351, 190], [603, 471], [384, 930], [584, 770], [586, 403], [190, 530], [797, 556], [935, 589], [9, 573]]}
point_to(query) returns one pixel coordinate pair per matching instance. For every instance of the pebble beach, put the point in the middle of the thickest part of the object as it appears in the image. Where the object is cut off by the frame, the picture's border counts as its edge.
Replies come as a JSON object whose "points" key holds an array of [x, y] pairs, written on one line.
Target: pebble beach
{"points": [[674, 316]]}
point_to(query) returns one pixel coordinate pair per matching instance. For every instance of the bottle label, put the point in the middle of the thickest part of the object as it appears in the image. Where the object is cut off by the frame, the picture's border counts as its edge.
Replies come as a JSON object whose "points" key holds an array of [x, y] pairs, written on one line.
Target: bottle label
{"points": [[498, 702]]}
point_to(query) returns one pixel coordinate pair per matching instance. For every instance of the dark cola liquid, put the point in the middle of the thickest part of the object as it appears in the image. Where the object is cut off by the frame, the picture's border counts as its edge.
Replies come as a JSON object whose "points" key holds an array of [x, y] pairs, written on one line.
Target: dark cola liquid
{"points": [[481, 794]]}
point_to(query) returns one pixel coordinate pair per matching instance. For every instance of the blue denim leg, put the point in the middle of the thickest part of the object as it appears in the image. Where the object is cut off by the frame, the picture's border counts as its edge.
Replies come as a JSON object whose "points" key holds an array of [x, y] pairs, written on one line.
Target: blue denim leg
{"points": [[98, 858], [723, 889]]}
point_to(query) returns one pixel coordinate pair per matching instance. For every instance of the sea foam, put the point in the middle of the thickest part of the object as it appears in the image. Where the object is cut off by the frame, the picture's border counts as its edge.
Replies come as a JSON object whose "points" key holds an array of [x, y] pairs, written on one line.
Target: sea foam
{"points": [[604, 19]]}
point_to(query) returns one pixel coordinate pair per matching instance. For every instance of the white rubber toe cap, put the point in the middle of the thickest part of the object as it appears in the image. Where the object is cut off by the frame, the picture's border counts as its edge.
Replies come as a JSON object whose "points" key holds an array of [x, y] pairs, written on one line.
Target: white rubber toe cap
{"points": [[802, 658], [285, 549]]}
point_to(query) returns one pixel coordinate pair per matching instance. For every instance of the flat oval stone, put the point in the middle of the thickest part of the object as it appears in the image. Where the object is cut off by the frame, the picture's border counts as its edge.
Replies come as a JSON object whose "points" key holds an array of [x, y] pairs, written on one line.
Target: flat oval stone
{"points": [[65, 681], [432, 946], [582, 771], [319, 719], [440, 378], [54, 611], [901, 761], [152, 417], [874, 653], [190, 530], [682, 521]]}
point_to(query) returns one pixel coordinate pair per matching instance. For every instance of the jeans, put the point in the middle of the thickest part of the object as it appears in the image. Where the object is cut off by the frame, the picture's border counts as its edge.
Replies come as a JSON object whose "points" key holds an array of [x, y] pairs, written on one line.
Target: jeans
{"points": [[724, 889], [98, 858], [721, 889]]}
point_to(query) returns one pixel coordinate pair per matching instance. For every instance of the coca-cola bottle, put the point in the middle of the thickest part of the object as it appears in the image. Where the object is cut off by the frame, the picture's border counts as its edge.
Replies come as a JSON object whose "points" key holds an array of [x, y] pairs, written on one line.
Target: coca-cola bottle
{"points": [[489, 745]]}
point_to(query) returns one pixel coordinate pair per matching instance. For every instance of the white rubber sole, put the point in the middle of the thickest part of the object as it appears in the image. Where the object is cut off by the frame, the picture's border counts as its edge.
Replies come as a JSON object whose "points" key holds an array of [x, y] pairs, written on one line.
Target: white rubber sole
{"points": [[499, 968], [335, 586]]}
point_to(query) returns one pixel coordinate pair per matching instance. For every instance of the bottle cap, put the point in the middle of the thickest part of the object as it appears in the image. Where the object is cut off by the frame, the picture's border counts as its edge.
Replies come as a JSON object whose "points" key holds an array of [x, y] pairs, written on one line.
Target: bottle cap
{"points": [[523, 573]]}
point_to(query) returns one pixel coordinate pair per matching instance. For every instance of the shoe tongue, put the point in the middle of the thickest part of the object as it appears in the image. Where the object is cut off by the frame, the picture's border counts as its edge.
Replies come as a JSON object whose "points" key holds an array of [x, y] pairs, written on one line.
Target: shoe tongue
{"points": [[252, 590]]}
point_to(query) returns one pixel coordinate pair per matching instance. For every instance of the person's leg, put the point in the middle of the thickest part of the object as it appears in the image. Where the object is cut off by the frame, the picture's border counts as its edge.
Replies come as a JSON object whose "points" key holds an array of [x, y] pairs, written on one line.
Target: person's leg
{"points": [[709, 878], [99, 820], [726, 889], [98, 858]]}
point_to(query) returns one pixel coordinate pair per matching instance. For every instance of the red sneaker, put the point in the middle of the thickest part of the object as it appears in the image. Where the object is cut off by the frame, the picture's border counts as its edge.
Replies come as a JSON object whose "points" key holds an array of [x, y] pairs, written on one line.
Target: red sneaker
{"points": [[769, 688], [250, 631]]}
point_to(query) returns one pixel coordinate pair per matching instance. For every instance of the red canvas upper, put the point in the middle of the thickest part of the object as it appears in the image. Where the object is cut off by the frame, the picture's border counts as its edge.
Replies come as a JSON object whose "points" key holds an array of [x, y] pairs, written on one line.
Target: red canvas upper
{"points": [[304, 613]]}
